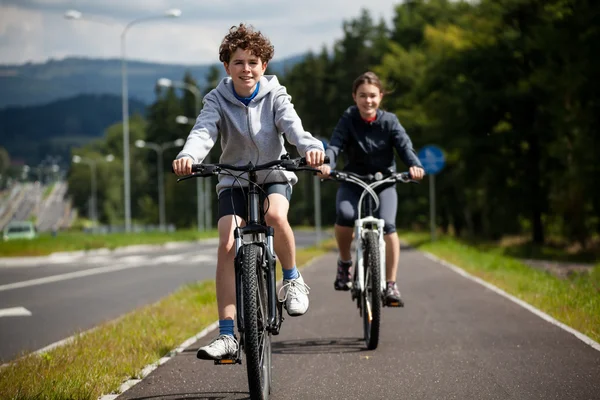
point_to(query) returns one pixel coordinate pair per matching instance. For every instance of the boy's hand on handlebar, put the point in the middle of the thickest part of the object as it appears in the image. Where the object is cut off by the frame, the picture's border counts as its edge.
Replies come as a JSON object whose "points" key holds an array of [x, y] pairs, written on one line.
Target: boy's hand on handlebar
{"points": [[416, 173], [325, 171], [314, 158], [183, 166]]}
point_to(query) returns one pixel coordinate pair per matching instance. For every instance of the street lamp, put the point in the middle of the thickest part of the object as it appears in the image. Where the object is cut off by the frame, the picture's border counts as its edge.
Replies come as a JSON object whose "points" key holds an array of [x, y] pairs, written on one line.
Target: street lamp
{"points": [[73, 14], [202, 192], [92, 163], [160, 148], [183, 120], [172, 13]]}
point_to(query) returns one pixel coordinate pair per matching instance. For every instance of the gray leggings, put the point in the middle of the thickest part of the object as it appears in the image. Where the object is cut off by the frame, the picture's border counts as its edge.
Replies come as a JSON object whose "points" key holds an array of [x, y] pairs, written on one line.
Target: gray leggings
{"points": [[347, 202]]}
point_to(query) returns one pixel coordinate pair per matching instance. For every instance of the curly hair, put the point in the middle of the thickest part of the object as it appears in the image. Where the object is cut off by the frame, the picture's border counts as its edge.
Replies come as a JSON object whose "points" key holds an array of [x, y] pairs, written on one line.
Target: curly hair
{"points": [[246, 38]]}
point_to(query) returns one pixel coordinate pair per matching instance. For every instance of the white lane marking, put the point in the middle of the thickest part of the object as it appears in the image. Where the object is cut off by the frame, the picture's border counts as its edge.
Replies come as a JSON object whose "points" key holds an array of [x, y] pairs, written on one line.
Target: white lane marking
{"points": [[132, 259], [584, 338], [200, 258], [14, 312], [172, 258], [93, 271]]}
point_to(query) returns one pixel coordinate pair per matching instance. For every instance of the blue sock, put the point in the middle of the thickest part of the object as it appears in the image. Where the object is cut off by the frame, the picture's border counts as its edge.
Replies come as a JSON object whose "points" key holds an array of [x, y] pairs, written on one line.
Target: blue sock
{"points": [[290, 273], [226, 327]]}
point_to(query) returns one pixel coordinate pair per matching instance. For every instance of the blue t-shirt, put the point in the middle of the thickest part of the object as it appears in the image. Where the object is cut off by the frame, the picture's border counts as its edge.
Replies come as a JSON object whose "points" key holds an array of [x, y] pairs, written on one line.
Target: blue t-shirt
{"points": [[246, 100]]}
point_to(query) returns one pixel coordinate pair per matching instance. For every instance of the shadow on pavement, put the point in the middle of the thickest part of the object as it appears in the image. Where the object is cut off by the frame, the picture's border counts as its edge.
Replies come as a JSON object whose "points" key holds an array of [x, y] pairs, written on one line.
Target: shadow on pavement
{"points": [[199, 396], [319, 346], [407, 247]]}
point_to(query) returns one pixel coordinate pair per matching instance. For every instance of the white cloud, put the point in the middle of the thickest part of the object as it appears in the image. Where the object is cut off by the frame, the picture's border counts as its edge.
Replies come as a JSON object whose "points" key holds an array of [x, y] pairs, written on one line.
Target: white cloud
{"points": [[35, 30]]}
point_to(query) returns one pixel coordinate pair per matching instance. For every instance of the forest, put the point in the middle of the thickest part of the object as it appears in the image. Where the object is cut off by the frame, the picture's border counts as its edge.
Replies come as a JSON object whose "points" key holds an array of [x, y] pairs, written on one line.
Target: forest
{"points": [[504, 87]]}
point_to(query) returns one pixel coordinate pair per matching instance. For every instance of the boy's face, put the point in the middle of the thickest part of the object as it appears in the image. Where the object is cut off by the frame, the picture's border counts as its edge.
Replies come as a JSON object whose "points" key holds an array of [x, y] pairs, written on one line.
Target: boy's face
{"points": [[245, 70]]}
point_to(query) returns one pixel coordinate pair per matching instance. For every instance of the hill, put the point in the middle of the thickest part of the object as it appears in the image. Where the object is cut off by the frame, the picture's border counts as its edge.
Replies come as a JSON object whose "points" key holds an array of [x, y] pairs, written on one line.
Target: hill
{"points": [[35, 84], [31, 133]]}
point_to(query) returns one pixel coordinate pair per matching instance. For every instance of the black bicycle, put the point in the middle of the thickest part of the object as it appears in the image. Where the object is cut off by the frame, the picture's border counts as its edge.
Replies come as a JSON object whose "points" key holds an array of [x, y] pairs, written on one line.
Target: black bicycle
{"points": [[259, 311], [368, 283]]}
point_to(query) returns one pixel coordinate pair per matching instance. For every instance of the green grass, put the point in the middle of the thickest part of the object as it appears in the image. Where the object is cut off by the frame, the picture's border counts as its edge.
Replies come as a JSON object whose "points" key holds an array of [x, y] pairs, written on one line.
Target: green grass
{"points": [[99, 361], [76, 240], [574, 301]]}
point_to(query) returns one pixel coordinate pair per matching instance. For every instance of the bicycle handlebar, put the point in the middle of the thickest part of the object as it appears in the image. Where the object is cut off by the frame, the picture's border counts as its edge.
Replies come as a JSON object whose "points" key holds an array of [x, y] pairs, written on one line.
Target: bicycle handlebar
{"points": [[287, 163], [403, 177]]}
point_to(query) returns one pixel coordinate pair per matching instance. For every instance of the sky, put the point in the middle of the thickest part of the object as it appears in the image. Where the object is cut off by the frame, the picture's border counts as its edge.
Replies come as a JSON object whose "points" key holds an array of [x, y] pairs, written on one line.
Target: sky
{"points": [[36, 30]]}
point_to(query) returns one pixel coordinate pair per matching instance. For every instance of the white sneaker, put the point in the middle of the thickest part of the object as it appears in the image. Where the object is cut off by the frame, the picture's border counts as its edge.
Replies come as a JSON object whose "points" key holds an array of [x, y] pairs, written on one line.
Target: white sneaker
{"points": [[295, 295], [224, 346]]}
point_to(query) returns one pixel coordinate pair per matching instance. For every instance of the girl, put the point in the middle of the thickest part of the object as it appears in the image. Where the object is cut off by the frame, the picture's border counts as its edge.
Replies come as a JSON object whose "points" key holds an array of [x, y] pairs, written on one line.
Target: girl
{"points": [[368, 136]]}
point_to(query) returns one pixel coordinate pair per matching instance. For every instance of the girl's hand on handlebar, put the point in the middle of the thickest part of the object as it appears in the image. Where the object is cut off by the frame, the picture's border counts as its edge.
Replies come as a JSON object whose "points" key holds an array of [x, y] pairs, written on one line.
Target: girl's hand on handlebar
{"points": [[314, 158], [183, 166], [325, 171], [416, 173]]}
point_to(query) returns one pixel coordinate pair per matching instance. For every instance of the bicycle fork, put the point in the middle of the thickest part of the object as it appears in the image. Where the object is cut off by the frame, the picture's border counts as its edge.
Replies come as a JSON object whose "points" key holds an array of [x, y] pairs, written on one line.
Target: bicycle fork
{"points": [[360, 226]]}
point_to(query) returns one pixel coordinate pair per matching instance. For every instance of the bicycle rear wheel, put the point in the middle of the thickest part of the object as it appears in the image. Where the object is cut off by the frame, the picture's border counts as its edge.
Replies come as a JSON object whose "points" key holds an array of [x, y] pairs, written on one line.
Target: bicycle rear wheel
{"points": [[257, 339], [371, 296]]}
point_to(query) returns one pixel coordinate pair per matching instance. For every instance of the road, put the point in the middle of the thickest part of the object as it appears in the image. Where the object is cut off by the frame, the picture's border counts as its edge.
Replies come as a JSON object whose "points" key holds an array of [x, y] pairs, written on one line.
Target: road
{"points": [[455, 339], [66, 295], [20, 207], [52, 210]]}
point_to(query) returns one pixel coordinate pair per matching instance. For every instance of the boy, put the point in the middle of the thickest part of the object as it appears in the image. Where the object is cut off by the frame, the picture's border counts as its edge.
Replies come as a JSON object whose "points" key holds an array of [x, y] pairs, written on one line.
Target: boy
{"points": [[250, 111]]}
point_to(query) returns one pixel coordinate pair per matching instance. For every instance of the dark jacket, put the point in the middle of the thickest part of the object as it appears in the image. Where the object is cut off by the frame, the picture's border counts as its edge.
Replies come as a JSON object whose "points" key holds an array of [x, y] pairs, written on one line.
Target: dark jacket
{"points": [[369, 146]]}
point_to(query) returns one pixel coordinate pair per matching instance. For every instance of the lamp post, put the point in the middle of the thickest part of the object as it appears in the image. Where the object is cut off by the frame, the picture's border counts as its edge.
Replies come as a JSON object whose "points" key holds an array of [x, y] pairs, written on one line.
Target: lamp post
{"points": [[202, 192], [200, 189], [93, 200], [160, 148], [172, 13]]}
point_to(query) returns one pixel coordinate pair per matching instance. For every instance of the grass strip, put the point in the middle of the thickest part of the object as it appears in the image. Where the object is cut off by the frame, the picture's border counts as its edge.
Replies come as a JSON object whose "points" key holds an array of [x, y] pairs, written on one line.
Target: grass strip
{"points": [[99, 361], [77, 240], [574, 301]]}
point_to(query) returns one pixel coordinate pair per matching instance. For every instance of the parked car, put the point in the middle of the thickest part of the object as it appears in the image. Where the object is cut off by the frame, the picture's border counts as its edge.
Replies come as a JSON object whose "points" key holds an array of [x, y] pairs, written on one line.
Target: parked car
{"points": [[19, 230]]}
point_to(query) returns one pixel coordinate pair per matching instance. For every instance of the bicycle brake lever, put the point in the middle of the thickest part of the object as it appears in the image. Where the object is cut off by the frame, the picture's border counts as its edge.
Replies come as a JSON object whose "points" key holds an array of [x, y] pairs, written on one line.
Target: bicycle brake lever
{"points": [[183, 178]]}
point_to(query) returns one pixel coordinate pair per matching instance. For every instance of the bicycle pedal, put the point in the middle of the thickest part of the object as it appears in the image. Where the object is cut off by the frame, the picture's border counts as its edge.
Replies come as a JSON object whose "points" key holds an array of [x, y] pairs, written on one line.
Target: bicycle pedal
{"points": [[228, 361], [396, 304]]}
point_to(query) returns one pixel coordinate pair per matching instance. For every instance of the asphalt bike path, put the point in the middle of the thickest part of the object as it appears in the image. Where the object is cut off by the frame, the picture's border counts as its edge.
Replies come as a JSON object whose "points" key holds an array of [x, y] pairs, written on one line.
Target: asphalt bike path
{"points": [[455, 339]]}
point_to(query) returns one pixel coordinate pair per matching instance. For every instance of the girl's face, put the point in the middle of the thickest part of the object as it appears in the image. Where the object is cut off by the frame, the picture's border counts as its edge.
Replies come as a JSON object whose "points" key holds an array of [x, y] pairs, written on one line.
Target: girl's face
{"points": [[367, 99], [245, 70]]}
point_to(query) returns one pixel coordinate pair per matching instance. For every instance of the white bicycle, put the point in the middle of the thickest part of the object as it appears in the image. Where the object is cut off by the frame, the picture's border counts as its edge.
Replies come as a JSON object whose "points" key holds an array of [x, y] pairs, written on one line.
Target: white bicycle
{"points": [[369, 273]]}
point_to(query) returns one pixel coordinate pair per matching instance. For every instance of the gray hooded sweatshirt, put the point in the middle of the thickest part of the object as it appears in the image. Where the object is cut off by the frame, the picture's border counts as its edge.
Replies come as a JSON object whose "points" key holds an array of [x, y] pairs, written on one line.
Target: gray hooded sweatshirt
{"points": [[249, 133]]}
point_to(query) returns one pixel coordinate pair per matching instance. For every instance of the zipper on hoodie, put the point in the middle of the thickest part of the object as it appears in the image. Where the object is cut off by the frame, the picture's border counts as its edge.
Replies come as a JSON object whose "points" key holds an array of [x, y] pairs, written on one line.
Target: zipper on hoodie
{"points": [[251, 134]]}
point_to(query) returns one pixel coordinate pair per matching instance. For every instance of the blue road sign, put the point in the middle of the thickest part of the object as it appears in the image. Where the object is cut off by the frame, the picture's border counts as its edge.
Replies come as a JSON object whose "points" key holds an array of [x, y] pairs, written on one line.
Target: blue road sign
{"points": [[432, 158]]}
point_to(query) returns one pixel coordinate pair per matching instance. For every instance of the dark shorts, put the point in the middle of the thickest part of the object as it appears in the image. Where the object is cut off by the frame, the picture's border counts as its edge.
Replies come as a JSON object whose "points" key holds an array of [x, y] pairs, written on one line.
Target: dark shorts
{"points": [[234, 201], [347, 202]]}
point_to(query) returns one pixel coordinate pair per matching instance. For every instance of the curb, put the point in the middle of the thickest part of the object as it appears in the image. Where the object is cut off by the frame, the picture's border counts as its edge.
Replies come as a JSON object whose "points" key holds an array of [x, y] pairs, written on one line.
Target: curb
{"points": [[151, 367]]}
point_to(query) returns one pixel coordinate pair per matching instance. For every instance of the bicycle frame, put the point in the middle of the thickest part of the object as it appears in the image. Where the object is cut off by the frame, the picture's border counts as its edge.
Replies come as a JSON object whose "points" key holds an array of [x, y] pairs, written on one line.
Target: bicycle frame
{"points": [[361, 225], [256, 232]]}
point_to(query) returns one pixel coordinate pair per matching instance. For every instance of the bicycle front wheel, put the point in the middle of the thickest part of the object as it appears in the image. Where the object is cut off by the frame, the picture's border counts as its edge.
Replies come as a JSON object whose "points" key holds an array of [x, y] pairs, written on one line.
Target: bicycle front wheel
{"points": [[371, 296], [257, 339]]}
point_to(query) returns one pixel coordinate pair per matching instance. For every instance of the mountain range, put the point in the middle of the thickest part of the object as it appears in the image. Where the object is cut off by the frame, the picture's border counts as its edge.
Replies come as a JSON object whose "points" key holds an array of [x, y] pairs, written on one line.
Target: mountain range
{"points": [[33, 84], [45, 107]]}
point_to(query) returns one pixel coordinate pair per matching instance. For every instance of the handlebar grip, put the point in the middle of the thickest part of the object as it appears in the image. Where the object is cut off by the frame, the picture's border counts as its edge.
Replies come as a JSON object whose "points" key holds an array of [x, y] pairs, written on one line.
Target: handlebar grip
{"points": [[302, 162], [197, 167]]}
